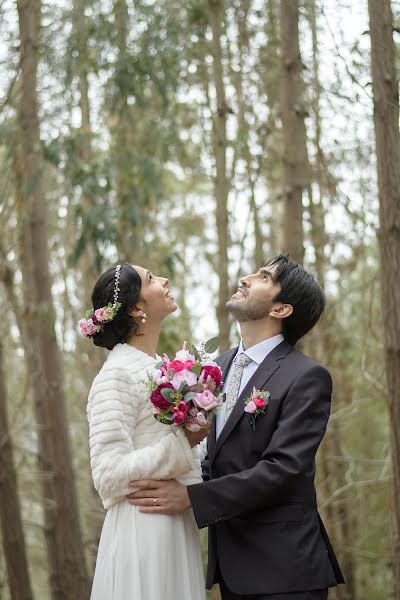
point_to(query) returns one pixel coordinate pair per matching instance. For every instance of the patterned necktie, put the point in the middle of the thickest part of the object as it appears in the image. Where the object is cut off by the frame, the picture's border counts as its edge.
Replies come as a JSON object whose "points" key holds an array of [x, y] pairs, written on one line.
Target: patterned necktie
{"points": [[232, 394]]}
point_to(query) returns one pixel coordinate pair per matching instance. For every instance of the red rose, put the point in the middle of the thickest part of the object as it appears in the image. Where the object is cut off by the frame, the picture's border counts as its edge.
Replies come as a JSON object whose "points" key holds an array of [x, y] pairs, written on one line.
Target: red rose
{"points": [[259, 402], [189, 364], [177, 366], [214, 373], [157, 399]]}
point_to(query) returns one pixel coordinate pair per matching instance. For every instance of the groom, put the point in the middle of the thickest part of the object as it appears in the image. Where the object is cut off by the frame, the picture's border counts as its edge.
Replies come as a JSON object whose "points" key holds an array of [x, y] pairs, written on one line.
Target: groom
{"points": [[266, 538]]}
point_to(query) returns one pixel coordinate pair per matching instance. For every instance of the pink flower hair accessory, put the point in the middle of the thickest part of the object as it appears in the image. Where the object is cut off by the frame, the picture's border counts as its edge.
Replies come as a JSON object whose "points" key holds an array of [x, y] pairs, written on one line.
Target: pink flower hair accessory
{"points": [[95, 320]]}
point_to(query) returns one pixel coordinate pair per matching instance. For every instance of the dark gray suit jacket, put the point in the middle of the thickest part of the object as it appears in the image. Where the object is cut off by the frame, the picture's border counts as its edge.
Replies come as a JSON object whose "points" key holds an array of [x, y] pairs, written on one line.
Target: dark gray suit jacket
{"points": [[258, 496]]}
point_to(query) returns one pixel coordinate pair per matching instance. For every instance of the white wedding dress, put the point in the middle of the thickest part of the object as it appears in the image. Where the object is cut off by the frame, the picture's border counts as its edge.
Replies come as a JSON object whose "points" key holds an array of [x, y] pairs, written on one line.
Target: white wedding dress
{"points": [[140, 556]]}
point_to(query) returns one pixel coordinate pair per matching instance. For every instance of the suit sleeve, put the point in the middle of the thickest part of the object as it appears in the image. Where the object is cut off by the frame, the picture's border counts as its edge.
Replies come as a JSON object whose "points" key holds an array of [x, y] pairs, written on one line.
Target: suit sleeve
{"points": [[291, 451]]}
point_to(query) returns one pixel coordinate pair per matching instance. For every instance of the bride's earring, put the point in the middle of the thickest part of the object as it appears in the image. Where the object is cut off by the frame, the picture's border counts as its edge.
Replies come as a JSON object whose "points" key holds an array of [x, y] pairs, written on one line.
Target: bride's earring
{"points": [[144, 317]]}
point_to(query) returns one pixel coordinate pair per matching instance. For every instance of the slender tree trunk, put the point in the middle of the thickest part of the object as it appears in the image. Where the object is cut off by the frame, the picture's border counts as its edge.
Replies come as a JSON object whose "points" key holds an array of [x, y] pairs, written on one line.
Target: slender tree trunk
{"points": [[10, 512], [68, 578], [271, 165], [339, 514], [296, 168], [87, 263], [221, 186], [243, 131], [386, 119]]}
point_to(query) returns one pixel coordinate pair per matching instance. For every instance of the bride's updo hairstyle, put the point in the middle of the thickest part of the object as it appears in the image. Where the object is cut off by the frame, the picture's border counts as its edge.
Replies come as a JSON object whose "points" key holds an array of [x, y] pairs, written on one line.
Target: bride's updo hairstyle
{"points": [[122, 325]]}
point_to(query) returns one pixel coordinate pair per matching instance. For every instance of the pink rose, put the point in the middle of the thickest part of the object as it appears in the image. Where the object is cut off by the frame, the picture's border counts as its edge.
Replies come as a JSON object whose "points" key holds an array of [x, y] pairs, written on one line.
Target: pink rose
{"points": [[206, 400], [99, 314], [184, 376], [82, 326], [87, 327], [177, 366], [259, 402], [250, 407]]}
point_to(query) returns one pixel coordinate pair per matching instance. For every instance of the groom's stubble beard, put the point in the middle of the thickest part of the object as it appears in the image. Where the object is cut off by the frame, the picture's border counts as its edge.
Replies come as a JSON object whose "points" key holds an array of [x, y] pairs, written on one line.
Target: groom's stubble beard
{"points": [[248, 310]]}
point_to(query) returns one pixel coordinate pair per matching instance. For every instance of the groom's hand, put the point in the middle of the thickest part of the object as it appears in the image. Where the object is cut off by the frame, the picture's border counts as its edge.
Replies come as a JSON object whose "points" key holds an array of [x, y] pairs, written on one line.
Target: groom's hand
{"points": [[159, 497]]}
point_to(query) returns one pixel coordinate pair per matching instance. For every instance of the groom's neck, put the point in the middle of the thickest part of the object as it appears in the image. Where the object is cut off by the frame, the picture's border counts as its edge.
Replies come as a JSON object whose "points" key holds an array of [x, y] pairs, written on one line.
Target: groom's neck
{"points": [[254, 332]]}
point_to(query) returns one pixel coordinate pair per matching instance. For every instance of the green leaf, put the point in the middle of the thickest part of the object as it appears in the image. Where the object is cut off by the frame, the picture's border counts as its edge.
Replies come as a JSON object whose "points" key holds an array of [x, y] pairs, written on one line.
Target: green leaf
{"points": [[212, 345], [159, 365], [189, 396], [196, 370], [166, 393]]}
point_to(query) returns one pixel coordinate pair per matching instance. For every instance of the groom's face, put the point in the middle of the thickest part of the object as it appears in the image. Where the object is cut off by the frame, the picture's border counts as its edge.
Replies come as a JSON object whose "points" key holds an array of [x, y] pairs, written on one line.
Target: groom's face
{"points": [[254, 299]]}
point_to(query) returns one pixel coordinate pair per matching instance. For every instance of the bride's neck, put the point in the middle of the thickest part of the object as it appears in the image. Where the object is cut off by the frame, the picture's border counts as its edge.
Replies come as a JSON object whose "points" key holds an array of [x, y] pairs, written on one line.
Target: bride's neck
{"points": [[148, 341]]}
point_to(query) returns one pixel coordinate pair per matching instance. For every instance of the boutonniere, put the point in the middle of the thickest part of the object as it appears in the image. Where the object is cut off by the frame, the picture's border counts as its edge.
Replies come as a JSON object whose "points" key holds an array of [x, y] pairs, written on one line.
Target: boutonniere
{"points": [[255, 405]]}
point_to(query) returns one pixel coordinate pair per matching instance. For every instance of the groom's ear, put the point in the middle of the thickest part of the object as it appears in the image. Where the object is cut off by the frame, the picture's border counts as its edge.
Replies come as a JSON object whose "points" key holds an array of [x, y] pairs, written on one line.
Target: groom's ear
{"points": [[281, 311]]}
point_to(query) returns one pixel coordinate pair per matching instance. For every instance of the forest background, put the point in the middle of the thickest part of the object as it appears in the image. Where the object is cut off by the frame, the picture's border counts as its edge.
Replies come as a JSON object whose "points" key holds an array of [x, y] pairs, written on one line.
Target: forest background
{"points": [[197, 138]]}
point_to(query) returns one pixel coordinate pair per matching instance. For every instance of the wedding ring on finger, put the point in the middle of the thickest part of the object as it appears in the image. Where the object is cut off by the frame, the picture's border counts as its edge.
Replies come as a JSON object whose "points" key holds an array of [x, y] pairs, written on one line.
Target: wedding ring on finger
{"points": [[155, 501]]}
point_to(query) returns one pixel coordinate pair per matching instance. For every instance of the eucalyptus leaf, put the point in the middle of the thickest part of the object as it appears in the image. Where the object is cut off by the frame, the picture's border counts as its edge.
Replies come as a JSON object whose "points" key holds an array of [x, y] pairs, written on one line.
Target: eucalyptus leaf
{"points": [[189, 396], [212, 345], [166, 393]]}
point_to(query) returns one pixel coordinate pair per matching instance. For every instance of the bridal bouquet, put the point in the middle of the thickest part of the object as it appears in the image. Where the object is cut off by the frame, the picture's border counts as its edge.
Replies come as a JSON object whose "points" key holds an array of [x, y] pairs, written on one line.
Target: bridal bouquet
{"points": [[186, 391]]}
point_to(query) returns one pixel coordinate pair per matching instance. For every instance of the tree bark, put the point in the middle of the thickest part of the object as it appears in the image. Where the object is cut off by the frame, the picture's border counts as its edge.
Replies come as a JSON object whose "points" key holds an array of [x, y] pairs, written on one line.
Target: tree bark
{"points": [[221, 185], [10, 511], [295, 159], [243, 131], [68, 578], [386, 120]]}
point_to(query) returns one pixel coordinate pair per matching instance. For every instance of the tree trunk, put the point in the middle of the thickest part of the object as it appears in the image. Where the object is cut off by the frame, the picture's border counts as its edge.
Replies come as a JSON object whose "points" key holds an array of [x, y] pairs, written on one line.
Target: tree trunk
{"points": [[271, 162], [10, 512], [87, 263], [221, 186], [338, 513], [386, 119], [68, 578], [295, 159], [243, 131]]}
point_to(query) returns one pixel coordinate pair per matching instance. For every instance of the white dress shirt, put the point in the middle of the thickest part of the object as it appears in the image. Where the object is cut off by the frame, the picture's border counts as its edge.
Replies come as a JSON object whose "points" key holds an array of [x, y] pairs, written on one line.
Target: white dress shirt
{"points": [[257, 353]]}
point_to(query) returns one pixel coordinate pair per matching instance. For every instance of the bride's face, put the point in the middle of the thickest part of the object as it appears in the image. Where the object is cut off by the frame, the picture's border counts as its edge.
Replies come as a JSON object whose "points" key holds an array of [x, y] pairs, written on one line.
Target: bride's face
{"points": [[157, 300]]}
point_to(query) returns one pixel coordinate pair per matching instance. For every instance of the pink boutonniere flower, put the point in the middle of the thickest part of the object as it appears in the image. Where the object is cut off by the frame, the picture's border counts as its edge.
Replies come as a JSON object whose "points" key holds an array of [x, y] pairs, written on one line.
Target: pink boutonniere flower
{"points": [[256, 405]]}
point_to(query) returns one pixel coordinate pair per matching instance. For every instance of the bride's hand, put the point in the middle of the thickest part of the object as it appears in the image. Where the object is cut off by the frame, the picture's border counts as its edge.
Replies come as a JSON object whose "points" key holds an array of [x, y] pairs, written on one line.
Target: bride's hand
{"points": [[195, 437]]}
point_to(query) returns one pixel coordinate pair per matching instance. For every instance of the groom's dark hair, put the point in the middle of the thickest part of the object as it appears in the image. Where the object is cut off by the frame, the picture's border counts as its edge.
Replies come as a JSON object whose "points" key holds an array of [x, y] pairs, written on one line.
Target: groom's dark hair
{"points": [[301, 290]]}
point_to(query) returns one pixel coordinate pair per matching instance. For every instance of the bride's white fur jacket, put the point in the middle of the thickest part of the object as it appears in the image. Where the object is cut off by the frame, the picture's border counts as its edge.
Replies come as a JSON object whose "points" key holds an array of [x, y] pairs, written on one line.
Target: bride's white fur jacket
{"points": [[126, 441]]}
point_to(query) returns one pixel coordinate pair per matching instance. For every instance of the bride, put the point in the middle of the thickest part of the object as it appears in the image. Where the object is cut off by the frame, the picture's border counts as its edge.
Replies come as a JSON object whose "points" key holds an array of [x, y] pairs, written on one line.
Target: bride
{"points": [[140, 557]]}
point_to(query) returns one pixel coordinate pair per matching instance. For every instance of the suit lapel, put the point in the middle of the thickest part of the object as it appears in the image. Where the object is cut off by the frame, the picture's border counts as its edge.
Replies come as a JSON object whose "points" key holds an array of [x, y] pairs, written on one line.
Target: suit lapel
{"points": [[258, 380], [225, 364]]}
